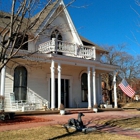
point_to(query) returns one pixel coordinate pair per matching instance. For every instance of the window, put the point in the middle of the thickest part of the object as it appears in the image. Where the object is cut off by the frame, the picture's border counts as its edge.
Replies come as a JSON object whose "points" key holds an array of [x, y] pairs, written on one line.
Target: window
{"points": [[56, 34], [20, 83], [84, 87], [19, 42]]}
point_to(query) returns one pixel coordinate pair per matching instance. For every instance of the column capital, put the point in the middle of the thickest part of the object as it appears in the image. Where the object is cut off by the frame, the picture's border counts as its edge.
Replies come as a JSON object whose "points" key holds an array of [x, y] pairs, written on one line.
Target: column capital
{"points": [[59, 67], [93, 69], [114, 78], [93, 72], [52, 68]]}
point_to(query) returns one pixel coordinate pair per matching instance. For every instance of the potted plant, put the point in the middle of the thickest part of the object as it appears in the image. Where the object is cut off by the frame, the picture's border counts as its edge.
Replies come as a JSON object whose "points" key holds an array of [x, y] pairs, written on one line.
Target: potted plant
{"points": [[62, 109]]}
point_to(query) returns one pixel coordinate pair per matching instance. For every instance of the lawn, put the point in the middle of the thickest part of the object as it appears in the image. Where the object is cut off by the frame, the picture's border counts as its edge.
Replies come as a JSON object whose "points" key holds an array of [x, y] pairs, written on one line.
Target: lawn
{"points": [[59, 132]]}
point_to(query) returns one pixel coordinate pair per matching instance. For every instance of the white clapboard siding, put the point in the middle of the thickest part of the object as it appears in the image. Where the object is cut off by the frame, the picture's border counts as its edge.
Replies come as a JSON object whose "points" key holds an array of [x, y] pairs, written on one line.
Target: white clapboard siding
{"points": [[8, 90]]}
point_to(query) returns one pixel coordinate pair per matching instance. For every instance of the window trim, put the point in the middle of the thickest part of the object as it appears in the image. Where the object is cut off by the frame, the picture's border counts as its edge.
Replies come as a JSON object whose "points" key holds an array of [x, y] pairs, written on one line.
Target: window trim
{"points": [[21, 86], [85, 94]]}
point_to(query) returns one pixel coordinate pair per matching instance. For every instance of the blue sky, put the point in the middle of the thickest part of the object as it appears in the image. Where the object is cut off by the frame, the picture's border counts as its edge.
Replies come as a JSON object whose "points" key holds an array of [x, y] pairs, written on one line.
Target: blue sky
{"points": [[108, 22], [105, 22]]}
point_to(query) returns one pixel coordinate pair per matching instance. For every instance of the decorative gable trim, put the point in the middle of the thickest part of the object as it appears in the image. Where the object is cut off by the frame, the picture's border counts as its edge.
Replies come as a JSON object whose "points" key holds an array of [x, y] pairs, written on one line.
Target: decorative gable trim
{"points": [[47, 18], [70, 22], [72, 27]]}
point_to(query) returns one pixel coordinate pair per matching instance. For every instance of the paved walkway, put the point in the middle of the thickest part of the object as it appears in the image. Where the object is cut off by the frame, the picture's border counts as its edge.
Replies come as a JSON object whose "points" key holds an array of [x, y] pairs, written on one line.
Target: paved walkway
{"points": [[88, 119]]}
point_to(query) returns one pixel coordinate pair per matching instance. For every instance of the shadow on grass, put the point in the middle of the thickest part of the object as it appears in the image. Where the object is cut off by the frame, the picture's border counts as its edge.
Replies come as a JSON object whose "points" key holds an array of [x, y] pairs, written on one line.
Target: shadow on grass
{"points": [[110, 126], [64, 135], [115, 129], [76, 132]]}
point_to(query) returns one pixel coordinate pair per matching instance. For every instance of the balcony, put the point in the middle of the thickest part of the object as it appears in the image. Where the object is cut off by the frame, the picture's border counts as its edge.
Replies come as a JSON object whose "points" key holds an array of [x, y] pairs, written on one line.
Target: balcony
{"points": [[67, 49]]}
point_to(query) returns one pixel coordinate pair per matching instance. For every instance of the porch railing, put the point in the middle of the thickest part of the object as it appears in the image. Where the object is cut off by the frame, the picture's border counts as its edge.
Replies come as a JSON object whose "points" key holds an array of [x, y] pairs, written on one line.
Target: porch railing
{"points": [[33, 102], [36, 99], [69, 49]]}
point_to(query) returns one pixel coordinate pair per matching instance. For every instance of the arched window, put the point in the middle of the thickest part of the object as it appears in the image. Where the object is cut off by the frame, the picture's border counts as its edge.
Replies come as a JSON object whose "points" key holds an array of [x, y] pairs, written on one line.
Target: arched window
{"points": [[84, 87], [20, 83], [56, 34]]}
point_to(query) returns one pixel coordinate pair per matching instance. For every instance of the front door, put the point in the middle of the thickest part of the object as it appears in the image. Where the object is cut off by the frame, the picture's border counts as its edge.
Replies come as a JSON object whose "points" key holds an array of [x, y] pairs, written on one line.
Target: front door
{"points": [[64, 92]]}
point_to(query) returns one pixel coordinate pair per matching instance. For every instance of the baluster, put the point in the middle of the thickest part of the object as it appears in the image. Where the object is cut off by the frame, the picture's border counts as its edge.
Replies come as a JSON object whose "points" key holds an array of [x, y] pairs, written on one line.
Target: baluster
{"points": [[62, 44], [58, 46], [76, 49], [94, 53]]}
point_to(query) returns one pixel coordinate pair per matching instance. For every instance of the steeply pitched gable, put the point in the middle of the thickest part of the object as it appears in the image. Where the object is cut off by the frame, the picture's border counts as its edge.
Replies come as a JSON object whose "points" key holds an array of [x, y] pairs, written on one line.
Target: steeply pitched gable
{"points": [[48, 9], [46, 19]]}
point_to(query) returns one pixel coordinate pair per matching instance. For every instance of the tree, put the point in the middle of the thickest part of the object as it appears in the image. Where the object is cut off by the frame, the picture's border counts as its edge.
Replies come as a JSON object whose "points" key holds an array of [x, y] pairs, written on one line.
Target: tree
{"points": [[129, 66], [20, 26]]}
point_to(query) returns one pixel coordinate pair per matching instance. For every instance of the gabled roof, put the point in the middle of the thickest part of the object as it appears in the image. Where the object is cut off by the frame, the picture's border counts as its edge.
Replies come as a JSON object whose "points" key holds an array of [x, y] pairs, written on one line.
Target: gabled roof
{"points": [[6, 17], [50, 8], [87, 42], [43, 16], [46, 16]]}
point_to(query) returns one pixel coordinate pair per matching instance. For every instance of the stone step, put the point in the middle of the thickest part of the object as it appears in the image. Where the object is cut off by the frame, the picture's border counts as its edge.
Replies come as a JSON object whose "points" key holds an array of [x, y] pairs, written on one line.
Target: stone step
{"points": [[77, 110]]}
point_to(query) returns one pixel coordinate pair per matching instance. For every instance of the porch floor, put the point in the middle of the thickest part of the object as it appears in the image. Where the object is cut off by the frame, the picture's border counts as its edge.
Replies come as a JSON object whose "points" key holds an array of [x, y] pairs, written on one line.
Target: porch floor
{"points": [[68, 111]]}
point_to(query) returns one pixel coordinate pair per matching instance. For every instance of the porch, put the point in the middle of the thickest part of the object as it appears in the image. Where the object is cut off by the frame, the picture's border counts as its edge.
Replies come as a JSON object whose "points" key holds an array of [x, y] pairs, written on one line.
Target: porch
{"points": [[68, 111], [68, 49]]}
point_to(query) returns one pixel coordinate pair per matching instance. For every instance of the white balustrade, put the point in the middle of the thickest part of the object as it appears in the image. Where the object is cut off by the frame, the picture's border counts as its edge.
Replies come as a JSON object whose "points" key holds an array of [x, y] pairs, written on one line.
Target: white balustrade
{"points": [[68, 49], [46, 47]]}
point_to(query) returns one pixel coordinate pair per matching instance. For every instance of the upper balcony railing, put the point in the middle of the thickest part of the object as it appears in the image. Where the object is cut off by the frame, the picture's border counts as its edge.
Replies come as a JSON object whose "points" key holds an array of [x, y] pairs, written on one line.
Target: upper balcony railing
{"points": [[68, 49]]}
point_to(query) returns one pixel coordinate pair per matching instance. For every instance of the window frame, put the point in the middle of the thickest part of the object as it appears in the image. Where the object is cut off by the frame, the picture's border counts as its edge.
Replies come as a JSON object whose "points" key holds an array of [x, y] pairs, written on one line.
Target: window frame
{"points": [[84, 87], [20, 83]]}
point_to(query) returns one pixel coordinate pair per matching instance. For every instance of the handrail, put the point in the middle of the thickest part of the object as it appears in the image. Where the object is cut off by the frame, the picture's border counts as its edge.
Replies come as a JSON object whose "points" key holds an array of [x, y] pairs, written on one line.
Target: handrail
{"points": [[68, 49], [44, 101]]}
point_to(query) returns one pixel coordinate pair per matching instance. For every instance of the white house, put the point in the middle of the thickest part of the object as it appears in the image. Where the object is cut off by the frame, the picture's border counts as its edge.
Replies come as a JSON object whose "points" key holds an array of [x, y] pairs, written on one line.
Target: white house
{"points": [[66, 68]]}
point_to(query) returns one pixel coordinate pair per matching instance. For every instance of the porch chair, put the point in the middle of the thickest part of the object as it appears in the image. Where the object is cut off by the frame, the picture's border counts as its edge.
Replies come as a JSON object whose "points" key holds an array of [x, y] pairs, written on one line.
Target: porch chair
{"points": [[76, 102], [16, 104]]}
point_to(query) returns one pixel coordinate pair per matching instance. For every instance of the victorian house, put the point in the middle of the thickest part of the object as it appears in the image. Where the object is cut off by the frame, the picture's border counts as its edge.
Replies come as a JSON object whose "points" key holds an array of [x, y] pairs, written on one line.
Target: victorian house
{"points": [[66, 68]]}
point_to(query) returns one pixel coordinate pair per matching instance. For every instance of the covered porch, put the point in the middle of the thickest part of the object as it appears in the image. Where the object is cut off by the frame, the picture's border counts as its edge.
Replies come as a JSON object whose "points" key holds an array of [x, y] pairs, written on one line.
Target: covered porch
{"points": [[68, 71]]}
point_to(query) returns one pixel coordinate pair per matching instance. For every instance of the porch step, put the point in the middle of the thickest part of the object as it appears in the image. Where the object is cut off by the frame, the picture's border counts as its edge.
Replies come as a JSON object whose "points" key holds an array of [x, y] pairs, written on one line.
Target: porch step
{"points": [[77, 110], [109, 109]]}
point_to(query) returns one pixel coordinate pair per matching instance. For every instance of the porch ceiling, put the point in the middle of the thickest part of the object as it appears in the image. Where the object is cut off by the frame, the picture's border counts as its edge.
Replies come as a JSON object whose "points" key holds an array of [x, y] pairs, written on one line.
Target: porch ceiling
{"points": [[102, 67], [69, 60]]}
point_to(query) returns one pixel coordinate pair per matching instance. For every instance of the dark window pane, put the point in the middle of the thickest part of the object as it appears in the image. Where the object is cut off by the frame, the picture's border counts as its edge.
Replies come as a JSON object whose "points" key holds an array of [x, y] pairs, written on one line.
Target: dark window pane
{"points": [[20, 83], [20, 40], [84, 87]]}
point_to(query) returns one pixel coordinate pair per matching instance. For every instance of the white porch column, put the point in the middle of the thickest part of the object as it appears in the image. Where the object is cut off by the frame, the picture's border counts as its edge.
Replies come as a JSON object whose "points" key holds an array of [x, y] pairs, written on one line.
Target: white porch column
{"points": [[94, 53], [89, 88], [100, 89], [115, 93], [3, 80], [59, 85], [52, 85], [94, 87]]}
